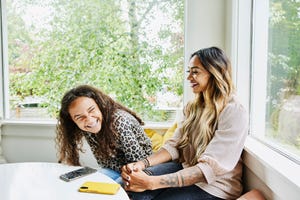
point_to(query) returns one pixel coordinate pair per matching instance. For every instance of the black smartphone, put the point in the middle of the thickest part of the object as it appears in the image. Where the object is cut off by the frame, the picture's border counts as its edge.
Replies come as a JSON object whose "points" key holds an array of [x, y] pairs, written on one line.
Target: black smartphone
{"points": [[75, 174]]}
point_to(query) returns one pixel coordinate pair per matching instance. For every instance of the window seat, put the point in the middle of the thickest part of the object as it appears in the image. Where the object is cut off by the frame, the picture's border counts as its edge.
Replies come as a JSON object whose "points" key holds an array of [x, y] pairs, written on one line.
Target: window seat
{"points": [[276, 176]]}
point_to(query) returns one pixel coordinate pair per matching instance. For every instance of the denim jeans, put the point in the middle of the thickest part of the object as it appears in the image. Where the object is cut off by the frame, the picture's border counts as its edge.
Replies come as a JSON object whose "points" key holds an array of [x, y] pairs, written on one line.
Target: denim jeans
{"points": [[116, 176], [192, 192]]}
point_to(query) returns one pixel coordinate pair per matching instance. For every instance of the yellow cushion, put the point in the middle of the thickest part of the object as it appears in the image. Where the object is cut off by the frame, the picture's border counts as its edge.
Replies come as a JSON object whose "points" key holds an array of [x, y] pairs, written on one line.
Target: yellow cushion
{"points": [[156, 139], [169, 133]]}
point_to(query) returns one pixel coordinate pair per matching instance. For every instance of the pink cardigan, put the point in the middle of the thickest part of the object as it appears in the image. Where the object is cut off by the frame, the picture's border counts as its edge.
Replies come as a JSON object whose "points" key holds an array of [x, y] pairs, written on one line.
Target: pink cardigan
{"points": [[221, 163]]}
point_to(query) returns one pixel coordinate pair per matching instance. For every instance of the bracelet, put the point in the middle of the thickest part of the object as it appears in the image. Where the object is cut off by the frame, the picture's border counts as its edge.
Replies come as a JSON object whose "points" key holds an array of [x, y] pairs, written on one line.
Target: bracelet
{"points": [[146, 162]]}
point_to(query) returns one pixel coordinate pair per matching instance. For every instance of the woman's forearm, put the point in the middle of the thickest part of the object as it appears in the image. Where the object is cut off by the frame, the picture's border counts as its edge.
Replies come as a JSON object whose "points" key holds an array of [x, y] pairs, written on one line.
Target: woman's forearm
{"points": [[160, 156], [184, 177]]}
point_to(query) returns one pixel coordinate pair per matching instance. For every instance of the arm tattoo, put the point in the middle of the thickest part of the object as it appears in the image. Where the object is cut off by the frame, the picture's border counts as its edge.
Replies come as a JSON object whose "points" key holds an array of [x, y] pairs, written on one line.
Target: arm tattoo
{"points": [[184, 177], [191, 175], [170, 180]]}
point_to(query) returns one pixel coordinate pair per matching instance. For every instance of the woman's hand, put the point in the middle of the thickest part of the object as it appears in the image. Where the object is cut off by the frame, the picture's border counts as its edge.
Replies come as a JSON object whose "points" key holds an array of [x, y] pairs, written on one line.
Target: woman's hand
{"points": [[135, 179], [129, 168]]}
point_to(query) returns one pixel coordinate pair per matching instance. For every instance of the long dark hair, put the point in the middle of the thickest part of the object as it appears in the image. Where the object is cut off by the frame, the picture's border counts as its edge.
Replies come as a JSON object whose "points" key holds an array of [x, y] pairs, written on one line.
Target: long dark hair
{"points": [[69, 136]]}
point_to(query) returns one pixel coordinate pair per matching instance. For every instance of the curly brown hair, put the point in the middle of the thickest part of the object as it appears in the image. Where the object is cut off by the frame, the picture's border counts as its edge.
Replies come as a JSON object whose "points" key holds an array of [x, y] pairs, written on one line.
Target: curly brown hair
{"points": [[69, 136]]}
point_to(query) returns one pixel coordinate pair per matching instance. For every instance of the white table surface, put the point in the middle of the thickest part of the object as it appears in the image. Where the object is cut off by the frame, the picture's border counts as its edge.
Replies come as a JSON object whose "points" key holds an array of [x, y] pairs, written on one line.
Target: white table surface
{"points": [[40, 181]]}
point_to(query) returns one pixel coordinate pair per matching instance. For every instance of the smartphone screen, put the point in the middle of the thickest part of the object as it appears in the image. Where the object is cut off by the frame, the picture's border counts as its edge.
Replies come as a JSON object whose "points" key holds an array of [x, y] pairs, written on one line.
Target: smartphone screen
{"points": [[72, 175]]}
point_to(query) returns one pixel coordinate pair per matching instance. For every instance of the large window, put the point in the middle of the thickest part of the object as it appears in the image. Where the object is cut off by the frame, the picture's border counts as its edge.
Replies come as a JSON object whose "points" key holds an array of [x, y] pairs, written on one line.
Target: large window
{"points": [[131, 49], [276, 75]]}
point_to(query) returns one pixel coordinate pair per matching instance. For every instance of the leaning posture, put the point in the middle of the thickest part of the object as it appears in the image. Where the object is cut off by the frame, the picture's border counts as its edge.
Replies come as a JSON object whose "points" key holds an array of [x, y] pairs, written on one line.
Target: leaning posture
{"points": [[113, 132]]}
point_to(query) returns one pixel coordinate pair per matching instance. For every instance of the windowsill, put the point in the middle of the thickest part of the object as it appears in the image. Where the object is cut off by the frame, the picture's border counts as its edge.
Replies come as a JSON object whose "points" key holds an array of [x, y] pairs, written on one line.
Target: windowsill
{"points": [[278, 172], [154, 125], [34, 122], [158, 125], [46, 128]]}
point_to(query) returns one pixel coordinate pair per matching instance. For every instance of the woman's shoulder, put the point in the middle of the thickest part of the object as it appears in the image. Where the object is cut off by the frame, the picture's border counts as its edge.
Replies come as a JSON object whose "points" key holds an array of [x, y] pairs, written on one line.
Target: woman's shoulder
{"points": [[233, 116], [126, 123], [234, 108], [234, 103], [124, 116]]}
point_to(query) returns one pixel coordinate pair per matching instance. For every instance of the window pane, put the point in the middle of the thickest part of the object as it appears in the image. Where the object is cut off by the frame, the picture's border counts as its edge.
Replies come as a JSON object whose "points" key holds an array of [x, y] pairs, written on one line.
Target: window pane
{"points": [[132, 50], [283, 91], [282, 97]]}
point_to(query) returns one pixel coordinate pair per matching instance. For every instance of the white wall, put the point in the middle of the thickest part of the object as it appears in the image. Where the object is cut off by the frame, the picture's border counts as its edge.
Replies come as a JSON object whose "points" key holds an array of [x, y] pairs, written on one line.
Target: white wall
{"points": [[274, 174], [27, 142], [204, 27], [2, 160], [35, 143]]}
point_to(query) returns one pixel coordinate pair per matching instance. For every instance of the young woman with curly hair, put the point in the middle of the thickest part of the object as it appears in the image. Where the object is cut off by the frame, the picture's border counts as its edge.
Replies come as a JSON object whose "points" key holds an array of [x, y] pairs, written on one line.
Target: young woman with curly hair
{"points": [[203, 158], [114, 133]]}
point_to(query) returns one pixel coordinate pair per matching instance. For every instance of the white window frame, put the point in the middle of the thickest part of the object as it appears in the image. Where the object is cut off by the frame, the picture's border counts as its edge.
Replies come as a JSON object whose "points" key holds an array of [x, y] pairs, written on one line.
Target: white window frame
{"points": [[272, 172], [259, 69], [223, 23], [259, 76], [4, 66]]}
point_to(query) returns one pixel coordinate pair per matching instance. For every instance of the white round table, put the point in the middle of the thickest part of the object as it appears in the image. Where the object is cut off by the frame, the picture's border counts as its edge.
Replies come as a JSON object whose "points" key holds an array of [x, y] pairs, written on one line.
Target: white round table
{"points": [[40, 181]]}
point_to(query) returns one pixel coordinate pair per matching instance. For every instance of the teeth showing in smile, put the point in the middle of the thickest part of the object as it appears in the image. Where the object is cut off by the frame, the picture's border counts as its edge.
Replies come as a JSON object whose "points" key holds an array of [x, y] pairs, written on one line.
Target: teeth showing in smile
{"points": [[193, 84], [92, 125]]}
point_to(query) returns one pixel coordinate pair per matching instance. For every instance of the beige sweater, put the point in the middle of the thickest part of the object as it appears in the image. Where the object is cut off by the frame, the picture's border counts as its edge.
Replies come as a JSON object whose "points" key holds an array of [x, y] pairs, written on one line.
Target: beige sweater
{"points": [[221, 162]]}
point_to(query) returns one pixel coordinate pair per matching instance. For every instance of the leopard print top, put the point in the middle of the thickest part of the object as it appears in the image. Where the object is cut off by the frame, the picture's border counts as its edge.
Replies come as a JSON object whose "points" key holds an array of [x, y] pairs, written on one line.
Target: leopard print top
{"points": [[133, 144]]}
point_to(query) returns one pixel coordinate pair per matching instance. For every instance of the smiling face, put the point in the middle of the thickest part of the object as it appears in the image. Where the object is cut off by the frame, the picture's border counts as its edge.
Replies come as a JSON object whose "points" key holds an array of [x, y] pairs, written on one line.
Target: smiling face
{"points": [[86, 114], [198, 75]]}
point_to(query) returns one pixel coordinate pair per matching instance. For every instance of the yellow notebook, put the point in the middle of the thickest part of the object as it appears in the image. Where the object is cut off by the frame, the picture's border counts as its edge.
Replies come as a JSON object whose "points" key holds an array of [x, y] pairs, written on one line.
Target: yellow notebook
{"points": [[100, 187]]}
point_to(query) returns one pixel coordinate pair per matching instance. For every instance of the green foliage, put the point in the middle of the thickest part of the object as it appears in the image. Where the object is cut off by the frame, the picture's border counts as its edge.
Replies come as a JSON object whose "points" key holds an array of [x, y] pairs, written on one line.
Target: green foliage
{"points": [[284, 57], [90, 42]]}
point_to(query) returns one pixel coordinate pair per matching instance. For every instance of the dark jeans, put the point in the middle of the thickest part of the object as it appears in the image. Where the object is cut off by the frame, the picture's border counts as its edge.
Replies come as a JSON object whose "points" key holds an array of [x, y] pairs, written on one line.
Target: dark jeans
{"points": [[181, 193]]}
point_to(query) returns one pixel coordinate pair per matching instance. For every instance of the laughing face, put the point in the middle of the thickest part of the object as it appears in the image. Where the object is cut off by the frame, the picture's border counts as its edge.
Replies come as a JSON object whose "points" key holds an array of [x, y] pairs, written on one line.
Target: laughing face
{"points": [[198, 75], [86, 114]]}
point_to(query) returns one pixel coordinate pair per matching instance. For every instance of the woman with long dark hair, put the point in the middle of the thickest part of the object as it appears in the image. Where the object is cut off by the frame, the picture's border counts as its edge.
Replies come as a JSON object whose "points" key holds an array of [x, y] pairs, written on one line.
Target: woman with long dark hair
{"points": [[114, 132]]}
